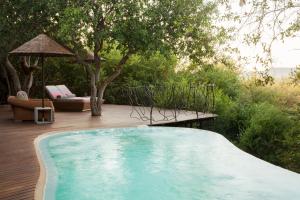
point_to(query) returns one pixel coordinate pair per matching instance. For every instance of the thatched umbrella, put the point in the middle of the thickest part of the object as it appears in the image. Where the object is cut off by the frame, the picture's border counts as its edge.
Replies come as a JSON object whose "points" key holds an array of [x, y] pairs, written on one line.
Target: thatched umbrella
{"points": [[42, 46]]}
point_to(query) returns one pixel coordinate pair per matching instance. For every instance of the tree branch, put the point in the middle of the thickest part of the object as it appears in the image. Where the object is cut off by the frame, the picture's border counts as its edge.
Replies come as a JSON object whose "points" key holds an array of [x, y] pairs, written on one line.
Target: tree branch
{"points": [[118, 69], [13, 74]]}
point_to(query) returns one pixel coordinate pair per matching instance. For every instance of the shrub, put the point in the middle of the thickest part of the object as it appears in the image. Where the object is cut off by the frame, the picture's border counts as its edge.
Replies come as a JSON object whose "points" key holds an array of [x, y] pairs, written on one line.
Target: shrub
{"points": [[290, 155], [259, 94], [265, 132], [224, 78], [61, 71], [226, 122], [139, 71]]}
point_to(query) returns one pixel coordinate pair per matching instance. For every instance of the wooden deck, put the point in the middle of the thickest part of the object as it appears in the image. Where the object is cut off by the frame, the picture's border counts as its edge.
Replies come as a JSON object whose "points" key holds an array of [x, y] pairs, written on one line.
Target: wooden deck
{"points": [[19, 168]]}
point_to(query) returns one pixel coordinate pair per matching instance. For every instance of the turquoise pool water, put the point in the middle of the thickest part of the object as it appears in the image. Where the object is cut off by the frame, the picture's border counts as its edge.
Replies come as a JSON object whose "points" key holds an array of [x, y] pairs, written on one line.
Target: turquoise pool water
{"points": [[158, 164]]}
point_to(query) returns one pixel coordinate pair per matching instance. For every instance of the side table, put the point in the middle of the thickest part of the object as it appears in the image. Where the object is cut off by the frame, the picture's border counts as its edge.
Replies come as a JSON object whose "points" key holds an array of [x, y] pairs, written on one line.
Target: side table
{"points": [[43, 115]]}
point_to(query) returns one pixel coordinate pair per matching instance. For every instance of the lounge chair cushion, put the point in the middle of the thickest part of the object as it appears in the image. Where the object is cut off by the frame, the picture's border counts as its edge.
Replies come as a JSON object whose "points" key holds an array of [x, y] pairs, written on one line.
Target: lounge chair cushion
{"points": [[54, 92], [74, 99], [65, 91]]}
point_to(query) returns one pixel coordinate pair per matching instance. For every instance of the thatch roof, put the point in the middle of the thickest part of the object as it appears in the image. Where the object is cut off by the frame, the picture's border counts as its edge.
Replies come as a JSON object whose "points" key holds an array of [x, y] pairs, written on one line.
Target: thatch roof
{"points": [[42, 45]]}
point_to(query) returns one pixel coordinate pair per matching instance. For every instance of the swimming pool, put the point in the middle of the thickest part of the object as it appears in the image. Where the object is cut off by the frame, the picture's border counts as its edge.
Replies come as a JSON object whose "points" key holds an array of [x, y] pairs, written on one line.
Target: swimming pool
{"points": [[157, 164]]}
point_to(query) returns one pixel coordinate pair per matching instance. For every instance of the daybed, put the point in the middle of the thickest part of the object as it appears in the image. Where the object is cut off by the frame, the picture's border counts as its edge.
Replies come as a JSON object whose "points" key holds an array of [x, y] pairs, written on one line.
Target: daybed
{"points": [[64, 100]]}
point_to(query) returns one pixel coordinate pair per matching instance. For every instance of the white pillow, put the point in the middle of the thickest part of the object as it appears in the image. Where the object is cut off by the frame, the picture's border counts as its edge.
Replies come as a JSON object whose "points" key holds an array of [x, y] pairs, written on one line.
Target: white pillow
{"points": [[22, 95]]}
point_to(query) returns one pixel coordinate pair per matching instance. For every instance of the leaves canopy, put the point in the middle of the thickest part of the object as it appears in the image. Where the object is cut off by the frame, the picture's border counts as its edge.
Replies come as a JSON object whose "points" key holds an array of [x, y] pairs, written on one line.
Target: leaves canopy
{"points": [[140, 26], [22, 20]]}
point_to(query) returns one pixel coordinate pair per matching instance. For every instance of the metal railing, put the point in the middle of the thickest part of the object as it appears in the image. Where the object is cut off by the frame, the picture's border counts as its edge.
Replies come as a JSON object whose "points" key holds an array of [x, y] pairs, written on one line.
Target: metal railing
{"points": [[169, 101]]}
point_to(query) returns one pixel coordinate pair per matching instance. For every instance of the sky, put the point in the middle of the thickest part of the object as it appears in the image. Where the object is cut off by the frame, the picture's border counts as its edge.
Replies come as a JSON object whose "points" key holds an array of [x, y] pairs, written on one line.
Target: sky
{"points": [[285, 54]]}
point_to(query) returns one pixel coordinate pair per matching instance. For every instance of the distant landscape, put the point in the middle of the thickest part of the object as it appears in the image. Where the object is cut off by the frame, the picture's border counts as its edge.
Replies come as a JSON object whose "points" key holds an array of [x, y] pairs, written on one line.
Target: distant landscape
{"points": [[278, 73], [282, 72]]}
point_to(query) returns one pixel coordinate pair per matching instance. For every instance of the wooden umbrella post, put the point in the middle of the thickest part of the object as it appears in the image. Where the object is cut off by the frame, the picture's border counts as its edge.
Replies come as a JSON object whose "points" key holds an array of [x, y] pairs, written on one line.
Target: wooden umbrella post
{"points": [[43, 89], [43, 83]]}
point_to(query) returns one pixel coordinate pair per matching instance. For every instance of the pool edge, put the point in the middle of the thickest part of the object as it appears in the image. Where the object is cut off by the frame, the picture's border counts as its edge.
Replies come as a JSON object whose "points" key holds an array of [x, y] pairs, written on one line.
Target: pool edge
{"points": [[41, 183], [39, 192], [40, 186]]}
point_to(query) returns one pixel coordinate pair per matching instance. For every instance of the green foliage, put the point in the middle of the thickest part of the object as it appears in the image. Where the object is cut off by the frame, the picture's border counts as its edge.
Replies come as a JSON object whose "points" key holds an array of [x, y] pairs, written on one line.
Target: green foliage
{"points": [[139, 27], [20, 22], [222, 74], [139, 70], [253, 94], [23, 20], [60, 71], [226, 122], [290, 156], [224, 78], [183, 27], [264, 79], [260, 118], [265, 133]]}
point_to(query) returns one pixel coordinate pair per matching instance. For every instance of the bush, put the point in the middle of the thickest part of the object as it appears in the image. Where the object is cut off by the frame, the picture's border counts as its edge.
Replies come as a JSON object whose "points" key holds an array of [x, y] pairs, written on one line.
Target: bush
{"points": [[266, 132], [140, 70], [224, 78], [61, 71], [227, 115], [233, 115], [290, 155], [258, 94]]}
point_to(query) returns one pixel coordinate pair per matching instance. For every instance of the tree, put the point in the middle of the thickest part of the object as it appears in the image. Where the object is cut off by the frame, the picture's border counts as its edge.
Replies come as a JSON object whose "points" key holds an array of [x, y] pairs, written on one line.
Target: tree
{"points": [[134, 27], [21, 21], [28, 68]]}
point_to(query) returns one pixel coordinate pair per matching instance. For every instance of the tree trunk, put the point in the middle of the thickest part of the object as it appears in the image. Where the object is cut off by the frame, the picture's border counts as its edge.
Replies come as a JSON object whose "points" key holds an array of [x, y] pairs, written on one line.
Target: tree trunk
{"points": [[14, 76], [98, 89], [28, 70], [95, 108], [5, 76], [99, 100], [28, 83], [94, 103], [7, 82]]}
